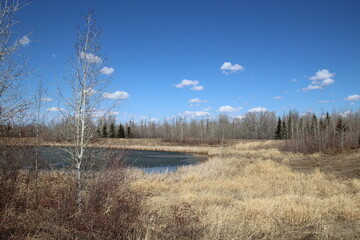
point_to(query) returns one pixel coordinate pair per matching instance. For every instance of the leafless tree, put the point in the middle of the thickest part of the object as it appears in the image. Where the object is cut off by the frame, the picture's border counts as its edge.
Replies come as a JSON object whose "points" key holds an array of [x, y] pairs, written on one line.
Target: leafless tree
{"points": [[12, 66], [87, 85]]}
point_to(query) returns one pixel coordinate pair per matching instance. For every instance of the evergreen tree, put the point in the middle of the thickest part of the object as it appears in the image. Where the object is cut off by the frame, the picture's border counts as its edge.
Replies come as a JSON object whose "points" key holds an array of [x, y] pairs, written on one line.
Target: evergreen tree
{"points": [[121, 132], [340, 125], [340, 129], [314, 124], [104, 131], [284, 134], [112, 130], [129, 133], [327, 119], [278, 133], [322, 125]]}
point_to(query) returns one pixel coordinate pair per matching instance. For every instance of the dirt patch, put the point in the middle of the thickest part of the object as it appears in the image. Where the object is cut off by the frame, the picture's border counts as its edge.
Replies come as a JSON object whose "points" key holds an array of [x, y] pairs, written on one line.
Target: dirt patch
{"points": [[343, 165]]}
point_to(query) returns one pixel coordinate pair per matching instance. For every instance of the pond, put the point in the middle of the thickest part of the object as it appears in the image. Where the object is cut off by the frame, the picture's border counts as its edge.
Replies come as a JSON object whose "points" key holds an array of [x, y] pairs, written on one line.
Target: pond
{"points": [[149, 161]]}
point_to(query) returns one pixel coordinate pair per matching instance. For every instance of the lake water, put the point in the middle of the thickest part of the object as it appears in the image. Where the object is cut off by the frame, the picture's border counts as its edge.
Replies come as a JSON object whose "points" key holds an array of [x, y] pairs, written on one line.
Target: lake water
{"points": [[150, 161]]}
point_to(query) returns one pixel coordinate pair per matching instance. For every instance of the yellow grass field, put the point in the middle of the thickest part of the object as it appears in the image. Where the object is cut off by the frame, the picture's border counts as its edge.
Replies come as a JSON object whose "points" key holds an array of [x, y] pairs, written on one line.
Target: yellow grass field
{"points": [[249, 190]]}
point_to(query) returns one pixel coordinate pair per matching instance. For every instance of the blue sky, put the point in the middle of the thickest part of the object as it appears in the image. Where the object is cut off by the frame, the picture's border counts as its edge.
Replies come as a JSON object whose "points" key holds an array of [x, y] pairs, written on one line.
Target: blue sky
{"points": [[274, 55]]}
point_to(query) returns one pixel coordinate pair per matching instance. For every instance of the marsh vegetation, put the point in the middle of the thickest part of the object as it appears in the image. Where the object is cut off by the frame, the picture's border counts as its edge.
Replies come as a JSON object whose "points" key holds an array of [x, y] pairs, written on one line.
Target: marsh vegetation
{"points": [[247, 190]]}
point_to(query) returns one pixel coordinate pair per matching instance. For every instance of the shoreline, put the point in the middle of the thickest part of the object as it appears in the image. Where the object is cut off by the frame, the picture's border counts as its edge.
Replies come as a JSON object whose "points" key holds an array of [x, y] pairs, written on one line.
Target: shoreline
{"points": [[127, 144]]}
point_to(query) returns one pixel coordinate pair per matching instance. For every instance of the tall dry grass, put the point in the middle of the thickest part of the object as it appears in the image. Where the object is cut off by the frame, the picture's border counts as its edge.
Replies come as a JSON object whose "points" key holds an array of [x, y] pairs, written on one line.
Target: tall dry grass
{"points": [[247, 192]]}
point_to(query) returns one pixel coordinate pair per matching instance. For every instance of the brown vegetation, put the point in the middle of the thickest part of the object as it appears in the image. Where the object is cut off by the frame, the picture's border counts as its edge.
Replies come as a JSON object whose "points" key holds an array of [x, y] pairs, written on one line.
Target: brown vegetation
{"points": [[248, 190]]}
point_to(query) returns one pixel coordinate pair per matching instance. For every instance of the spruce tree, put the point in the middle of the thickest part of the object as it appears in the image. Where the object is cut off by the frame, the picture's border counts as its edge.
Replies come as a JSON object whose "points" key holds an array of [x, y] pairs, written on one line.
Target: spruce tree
{"points": [[314, 124], [327, 119], [121, 132], [340, 129], [112, 130], [104, 131], [278, 133], [322, 125]]}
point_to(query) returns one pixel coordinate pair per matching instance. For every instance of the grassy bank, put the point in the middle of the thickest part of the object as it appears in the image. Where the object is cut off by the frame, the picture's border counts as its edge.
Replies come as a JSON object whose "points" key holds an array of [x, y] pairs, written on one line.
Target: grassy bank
{"points": [[246, 190]]}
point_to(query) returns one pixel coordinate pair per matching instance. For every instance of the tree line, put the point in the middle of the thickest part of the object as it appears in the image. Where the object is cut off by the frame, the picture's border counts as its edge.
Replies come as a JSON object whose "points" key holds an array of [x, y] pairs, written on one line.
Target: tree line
{"points": [[302, 132]]}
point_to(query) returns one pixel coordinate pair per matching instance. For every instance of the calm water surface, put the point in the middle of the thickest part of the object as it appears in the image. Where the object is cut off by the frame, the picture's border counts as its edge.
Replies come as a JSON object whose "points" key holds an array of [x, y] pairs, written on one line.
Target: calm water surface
{"points": [[150, 161]]}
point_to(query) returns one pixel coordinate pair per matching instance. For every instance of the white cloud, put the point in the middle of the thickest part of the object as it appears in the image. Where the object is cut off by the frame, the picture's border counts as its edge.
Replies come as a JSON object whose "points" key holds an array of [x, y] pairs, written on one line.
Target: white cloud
{"points": [[196, 113], [322, 78], [294, 80], [116, 95], [346, 114], [54, 109], [197, 88], [91, 58], [197, 100], [45, 99], [206, 109], [143, 118], [354, 97], [327, 82], [258, 109], [326, 101], [240, 117], [90, 91], [278, 97], [321, 75], [229, 109], [194, 105], [107, 70], [24, 41], [185, 83], [228, 68], [312, 87], [154, 120]]}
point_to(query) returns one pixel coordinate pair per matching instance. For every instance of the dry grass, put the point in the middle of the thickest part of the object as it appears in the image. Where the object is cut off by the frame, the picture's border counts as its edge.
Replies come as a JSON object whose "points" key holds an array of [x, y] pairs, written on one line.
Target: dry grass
{"points": [[248, 190]]}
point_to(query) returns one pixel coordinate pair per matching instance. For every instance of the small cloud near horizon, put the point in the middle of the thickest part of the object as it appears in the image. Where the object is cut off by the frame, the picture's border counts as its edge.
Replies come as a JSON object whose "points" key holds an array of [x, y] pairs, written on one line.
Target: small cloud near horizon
{"points": [[54, 109], [258, 109], [229, 109], [354, 97], [196, 113]]}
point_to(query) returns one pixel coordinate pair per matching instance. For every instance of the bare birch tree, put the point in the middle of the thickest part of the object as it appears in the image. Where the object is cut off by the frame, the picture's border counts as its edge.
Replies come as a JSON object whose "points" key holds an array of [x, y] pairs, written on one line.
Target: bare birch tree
{"points": [[87, 83], [12, 66]]}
